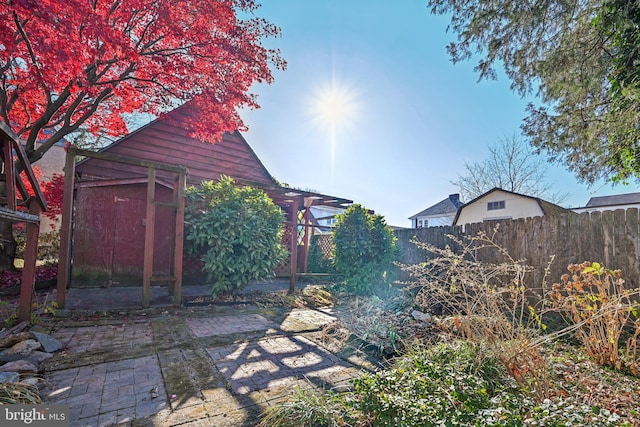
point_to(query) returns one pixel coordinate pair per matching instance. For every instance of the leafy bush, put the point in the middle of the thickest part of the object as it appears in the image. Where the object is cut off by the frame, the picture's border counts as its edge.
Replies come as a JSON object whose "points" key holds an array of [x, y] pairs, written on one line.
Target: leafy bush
{"points": [[595, 300], [364, 250], [445, 382], [235, 231], [449, 384], [48, 245], [44, 273]]}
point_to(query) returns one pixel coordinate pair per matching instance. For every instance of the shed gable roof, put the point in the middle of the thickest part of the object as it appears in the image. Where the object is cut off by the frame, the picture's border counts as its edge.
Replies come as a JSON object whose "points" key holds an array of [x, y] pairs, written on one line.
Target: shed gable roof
{"points": [[164, 140]]}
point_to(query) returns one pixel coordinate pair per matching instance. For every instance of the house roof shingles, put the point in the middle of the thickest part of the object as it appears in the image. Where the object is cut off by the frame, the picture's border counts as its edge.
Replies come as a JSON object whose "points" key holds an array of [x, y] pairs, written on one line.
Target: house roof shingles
{"points": [[447, 206], [614, 200]]}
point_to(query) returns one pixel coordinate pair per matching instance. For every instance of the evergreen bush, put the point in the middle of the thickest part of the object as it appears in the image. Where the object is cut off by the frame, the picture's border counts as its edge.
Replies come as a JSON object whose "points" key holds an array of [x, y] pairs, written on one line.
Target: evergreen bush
{"points": [[236, 231], [364, 250]]}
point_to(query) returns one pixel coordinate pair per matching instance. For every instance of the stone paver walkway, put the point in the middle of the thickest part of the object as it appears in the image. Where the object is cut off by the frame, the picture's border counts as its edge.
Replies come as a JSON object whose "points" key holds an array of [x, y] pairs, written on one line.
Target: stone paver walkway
{"points": [[109, 393], [225, 325], [190, 367], [86, 338], [275, 364]]}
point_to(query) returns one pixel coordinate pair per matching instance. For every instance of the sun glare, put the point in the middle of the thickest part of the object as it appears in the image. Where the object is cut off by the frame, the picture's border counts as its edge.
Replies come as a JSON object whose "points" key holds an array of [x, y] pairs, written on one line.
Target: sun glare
{"points": [[334, 106], [334, 109]]}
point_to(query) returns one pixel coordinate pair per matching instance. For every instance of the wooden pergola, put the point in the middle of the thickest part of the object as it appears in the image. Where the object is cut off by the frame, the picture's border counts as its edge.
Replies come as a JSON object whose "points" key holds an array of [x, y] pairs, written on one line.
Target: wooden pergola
{"points": [[178, 204], [299, 203], [9, 209]]}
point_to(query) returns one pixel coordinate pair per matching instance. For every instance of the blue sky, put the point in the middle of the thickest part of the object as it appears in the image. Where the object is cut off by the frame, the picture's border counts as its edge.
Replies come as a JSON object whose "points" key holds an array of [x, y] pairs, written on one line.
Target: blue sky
{"points": [[404, 120]]}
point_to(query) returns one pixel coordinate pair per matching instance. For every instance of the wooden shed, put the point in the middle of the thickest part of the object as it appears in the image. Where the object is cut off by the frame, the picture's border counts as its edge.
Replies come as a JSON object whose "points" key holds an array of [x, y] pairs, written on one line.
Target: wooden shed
{"points": [[109, 219]]}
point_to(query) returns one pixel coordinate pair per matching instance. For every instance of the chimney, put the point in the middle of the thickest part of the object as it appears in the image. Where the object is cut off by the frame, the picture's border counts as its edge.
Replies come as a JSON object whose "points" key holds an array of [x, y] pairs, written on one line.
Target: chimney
{"points": [[455, 198]]}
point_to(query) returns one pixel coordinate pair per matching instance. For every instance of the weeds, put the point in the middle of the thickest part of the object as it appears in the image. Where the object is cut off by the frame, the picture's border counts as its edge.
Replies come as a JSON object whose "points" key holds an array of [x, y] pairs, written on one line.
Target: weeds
{"points": [[497, 370], [595, 300], [486, 302], [313, 408], [39, 307], [12, 393]]}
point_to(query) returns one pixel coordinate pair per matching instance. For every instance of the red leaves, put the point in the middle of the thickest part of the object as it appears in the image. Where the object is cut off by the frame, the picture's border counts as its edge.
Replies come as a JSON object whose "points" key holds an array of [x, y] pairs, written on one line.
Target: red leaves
{"points": [[53, 191], [14, 278], [69, 63]]}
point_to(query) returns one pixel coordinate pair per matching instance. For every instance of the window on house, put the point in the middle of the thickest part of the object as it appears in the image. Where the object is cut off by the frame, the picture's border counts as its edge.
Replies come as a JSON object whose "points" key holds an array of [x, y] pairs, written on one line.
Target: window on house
{"points": [[422, 223], [492, 206]]}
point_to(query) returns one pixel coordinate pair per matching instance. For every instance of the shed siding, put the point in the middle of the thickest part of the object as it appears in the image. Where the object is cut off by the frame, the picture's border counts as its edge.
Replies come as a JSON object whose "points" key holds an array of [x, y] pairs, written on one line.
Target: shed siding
{"points": [[164, 141], [109, 232]]}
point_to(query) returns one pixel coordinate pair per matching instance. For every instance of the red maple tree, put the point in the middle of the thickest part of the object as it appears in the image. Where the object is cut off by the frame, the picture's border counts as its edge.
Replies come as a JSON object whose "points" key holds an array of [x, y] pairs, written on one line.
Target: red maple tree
{"points": [[82, 64], [67, 64]]}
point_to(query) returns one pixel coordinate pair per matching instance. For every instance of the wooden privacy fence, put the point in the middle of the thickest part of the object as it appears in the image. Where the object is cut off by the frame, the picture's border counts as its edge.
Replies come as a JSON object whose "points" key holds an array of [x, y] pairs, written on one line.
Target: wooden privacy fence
{"points": [[610, 238]]}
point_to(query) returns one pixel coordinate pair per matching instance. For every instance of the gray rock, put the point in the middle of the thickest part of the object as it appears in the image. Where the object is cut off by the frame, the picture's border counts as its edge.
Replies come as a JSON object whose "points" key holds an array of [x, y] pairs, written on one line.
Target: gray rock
{"points": [[31, 381], [6, 357], [20, 366], [49, 343], [12, 339], [40, 356], [9, 377], [420, 316], [25, 347]]}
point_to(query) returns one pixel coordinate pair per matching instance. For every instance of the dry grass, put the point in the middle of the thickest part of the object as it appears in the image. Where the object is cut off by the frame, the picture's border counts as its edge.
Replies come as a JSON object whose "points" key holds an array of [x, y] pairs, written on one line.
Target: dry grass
{"points": [[14, 393]]}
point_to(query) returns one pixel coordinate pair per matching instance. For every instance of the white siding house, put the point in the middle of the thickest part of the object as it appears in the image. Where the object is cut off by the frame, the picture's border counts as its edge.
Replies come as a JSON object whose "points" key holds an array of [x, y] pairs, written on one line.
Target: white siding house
{"points": [[498, 204], [324, 218]]}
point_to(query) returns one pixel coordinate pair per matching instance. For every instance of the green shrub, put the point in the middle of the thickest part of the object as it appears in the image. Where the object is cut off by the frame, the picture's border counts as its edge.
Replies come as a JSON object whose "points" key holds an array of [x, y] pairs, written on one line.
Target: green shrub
{"points": [[364, 250], [452, 382], [48, 245], [449, 384], [235, 231], [318, 262]]}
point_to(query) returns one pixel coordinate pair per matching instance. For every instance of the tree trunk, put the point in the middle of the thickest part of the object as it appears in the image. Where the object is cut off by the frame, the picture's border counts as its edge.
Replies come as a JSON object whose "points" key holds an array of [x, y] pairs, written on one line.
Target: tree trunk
{"points": [[8, 243], [8, 246]]}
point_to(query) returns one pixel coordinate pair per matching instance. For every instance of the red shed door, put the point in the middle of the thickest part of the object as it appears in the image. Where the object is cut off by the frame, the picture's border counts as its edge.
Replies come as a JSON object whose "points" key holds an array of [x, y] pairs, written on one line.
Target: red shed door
{"points": [[128, 247], [129, 236]]}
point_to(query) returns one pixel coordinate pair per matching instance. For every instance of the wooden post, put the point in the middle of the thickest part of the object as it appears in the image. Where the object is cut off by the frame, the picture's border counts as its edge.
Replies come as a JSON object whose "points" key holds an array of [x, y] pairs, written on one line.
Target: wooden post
{"points": [[64, 257], [293, 220], [179, 239], [148, 238], [10, 173], [29, 270], [305, 254]]}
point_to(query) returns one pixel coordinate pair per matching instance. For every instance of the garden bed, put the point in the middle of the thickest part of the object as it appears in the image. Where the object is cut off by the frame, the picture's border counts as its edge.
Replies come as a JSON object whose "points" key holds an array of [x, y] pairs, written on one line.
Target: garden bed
{"points": [[46, 277]]}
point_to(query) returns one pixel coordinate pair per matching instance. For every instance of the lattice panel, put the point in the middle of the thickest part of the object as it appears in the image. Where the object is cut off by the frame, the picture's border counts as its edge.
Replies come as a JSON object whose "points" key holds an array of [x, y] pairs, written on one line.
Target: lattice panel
{"points": [[284, 268], [325, 241]]}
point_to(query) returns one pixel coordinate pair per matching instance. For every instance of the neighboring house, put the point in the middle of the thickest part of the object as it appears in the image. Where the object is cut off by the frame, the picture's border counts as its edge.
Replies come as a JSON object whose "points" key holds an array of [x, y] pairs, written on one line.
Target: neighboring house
{"points": [[498, 204], [324, 218], [442, 213], [610, 203]]}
